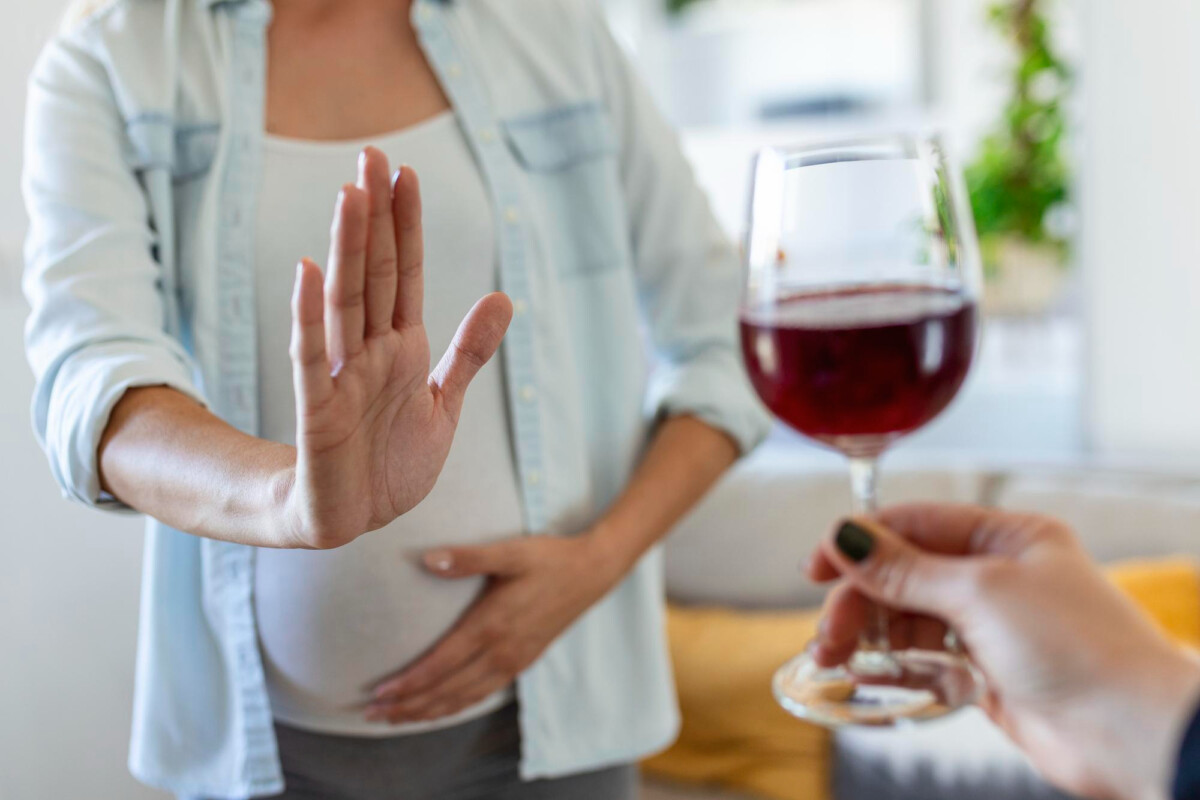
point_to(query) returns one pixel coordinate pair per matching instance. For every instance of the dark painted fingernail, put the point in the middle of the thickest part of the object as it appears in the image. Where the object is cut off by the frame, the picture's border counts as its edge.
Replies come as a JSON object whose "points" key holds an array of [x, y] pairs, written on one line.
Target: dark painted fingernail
{"points": [[855, 541]]}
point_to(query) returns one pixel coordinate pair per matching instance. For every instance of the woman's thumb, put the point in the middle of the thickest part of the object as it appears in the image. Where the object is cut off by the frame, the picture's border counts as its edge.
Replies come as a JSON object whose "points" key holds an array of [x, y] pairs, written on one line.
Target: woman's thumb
{"points": [[890, 570], [474, 344]]}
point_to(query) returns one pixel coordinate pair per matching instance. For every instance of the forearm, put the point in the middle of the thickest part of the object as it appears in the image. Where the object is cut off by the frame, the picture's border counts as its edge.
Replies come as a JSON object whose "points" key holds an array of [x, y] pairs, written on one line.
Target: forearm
{"points": [[168, 457], [684, 459]]}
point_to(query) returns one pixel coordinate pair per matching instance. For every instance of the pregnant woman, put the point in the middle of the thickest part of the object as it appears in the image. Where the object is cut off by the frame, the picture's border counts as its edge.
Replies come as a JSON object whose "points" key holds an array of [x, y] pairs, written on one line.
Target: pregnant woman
{"points": [[361, 579]]}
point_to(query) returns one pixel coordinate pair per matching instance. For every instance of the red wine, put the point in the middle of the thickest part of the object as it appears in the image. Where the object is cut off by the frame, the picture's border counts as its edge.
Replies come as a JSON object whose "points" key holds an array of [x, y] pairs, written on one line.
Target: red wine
{"points": [[859, 366]]}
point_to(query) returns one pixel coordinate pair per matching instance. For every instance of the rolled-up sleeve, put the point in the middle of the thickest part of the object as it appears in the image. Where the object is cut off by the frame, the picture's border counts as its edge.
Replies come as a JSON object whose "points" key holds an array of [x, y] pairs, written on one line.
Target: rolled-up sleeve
{"points": [[96, 328], [688, 273]]}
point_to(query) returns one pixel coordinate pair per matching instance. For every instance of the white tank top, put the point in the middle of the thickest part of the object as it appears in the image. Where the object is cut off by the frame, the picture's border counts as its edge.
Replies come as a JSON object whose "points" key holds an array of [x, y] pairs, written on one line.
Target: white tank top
{"points": [[334, 623]]}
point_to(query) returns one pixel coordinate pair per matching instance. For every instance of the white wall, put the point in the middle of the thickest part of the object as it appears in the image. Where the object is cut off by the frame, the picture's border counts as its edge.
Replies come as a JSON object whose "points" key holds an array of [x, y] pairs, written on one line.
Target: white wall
{"points": [[1142, 225], [26, 27]]}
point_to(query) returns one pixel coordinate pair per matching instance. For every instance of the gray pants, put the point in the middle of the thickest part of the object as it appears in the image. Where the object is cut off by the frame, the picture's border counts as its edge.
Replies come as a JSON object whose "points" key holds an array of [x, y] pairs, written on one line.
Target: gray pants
{"points": [[477, 760]]}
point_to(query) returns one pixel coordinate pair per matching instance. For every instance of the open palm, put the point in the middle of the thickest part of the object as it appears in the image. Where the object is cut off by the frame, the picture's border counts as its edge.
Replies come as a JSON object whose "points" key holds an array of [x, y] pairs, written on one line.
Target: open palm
{"points": [[374, 426]]}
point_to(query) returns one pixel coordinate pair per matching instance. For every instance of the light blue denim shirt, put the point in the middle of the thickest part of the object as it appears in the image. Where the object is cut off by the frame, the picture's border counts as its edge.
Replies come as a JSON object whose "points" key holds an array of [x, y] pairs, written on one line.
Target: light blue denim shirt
{"points": [[144, 140]]}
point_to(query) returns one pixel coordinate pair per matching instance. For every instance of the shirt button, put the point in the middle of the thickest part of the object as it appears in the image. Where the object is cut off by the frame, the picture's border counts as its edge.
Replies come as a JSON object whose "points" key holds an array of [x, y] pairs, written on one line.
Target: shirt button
{"points": [[487, 135], [520, 306], [511, 215], [528, 393], [454, 70], [533, 478]]}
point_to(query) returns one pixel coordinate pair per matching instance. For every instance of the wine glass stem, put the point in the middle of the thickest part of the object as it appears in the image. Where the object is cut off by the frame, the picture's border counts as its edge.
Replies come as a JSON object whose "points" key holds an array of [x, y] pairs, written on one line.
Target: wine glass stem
{"points": [[864, 475]]}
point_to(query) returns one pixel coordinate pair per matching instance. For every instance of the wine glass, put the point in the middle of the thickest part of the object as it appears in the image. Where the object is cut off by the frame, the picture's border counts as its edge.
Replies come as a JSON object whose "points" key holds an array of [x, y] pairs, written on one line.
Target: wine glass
{"points": [[859, 323]]}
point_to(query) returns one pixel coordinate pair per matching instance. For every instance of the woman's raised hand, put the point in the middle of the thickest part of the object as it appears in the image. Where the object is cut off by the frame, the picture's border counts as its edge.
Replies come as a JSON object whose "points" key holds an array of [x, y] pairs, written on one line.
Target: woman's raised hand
{"points": [[373, 424]]}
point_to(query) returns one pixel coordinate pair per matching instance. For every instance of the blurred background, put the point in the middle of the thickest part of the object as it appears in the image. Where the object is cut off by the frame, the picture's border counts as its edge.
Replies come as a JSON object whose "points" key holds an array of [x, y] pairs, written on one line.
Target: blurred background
{"points": [[1076, 124]]}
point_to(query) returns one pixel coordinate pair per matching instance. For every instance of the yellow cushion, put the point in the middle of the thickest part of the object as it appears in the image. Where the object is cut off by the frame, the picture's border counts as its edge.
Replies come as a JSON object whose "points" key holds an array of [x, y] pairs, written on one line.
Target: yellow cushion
{"points": [[736, 737], [1168, 590]]}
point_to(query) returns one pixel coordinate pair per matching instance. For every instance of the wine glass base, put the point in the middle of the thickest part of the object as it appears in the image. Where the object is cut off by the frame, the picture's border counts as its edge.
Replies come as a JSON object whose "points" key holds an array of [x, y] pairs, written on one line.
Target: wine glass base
{"points": [[877, 688]]}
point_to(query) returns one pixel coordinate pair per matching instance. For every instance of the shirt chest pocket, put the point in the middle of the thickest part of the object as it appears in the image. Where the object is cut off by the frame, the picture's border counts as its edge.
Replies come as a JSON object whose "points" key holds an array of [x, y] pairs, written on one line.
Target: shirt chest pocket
{"points": [[195, 150], [569, 156], [187, 151]]}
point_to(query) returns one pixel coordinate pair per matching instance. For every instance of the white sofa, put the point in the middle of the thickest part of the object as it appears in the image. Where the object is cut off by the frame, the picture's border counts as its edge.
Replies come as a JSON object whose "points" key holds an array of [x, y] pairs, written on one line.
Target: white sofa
{"points": [[742, 546]]}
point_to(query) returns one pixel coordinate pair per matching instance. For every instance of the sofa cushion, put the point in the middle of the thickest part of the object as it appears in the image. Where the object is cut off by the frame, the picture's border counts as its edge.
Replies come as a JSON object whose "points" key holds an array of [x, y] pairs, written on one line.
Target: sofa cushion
{"points": [[743, 543], [1118, 515], [655, 789], [733, 734]]}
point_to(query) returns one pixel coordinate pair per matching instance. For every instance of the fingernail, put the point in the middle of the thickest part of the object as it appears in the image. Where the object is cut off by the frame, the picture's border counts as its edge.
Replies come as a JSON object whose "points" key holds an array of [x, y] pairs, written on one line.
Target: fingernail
{"points": [[439, 560], [805, 565], [855, 541]]}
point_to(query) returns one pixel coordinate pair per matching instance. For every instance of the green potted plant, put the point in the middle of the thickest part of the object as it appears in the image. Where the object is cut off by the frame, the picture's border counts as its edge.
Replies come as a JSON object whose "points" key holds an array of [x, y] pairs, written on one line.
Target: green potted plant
{"points": [[1020, 181]]}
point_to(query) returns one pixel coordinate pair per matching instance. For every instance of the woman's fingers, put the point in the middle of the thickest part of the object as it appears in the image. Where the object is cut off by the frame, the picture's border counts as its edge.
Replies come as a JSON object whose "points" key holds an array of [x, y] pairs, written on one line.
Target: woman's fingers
{"points": [[937, 527], [926, 633], [819, 569], [473, 682], [843, 620], [346, 282], [846, 616], [381, 262], [890, 570], [476, 341], [410, 248], [506, 558], [457, 649], [310, 364]]}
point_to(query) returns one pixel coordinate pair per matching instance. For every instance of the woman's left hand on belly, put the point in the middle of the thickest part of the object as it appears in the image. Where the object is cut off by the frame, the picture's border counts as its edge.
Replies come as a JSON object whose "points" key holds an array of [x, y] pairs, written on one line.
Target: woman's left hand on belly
{"points": [[538, 586]]}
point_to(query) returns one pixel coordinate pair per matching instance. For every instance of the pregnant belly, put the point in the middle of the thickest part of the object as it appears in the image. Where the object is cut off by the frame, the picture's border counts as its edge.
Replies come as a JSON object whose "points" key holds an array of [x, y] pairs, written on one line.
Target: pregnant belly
{"points": [[334, 623]]}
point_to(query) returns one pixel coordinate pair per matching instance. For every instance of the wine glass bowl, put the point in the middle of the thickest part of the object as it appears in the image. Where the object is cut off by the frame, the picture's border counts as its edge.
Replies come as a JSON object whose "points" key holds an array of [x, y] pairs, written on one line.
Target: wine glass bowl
{"points": [[859, 324], [859, 367]]}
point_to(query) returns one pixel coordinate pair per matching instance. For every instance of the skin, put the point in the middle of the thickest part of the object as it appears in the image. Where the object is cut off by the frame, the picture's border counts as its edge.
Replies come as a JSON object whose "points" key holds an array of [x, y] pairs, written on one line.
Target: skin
{"points": [[374, 425], [1077, 676]]}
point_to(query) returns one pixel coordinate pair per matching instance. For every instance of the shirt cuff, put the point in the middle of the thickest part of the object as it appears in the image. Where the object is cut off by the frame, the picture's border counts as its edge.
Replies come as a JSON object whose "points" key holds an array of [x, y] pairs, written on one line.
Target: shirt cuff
{"points": [[72, 407], [712, 387]]}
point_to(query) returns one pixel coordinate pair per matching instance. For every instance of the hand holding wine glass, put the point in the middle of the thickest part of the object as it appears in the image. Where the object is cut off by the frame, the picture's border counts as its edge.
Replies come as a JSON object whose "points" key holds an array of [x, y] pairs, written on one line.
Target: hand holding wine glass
{"points": [[1078, 677], [374, 426], [859, 325]]}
